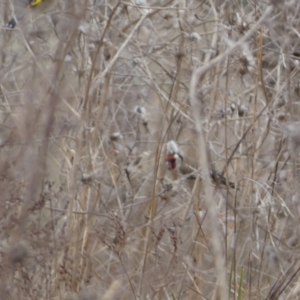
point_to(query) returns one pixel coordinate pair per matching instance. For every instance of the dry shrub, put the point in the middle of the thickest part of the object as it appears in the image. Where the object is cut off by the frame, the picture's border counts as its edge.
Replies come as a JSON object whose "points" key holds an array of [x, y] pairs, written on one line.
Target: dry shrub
{"points": [[91, 92]]}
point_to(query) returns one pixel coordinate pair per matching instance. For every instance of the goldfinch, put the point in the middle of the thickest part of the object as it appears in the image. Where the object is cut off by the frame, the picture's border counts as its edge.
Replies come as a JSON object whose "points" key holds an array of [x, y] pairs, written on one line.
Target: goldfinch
{"points": [[34, 3], [22, 7], [188, 167]]}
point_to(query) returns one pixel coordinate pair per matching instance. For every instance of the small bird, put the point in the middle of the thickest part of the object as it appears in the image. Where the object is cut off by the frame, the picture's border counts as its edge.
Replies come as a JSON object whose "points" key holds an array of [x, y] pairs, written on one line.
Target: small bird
{"points": [[21, 9], [35, 3], [187, 166]]}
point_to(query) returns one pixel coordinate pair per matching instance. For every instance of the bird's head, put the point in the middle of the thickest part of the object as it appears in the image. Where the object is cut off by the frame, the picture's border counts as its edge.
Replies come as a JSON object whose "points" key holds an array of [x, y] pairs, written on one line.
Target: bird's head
{"points": [[174, 157]]}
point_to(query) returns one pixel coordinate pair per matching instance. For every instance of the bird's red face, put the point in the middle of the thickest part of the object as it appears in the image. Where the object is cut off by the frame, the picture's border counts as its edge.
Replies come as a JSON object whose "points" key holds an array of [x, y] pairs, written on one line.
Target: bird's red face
{"points": [[170, 161]]}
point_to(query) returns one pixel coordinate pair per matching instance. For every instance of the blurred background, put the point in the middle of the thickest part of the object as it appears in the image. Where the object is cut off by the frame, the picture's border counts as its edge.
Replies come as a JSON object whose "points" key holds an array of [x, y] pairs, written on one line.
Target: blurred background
{"points": [[90, 93]]}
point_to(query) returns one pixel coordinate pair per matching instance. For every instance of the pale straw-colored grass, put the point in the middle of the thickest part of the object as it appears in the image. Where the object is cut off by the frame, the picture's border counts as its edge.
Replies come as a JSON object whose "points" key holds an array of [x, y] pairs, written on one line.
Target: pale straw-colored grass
{"points": [[91, 92]]}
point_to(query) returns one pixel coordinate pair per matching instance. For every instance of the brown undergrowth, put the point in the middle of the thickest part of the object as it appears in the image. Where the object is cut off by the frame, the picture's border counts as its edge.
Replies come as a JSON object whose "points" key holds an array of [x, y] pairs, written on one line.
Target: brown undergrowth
{"points": [[91, 93]]}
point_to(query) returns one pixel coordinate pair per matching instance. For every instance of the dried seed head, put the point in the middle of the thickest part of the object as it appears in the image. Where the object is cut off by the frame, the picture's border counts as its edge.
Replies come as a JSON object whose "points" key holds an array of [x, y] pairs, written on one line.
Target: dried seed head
{"points": [[140, 110], [11, 24], [68, 58], [243, 65], [141, 2], [281, 116], [221, 113], [232, 19], [137, 61], [241, 24], [297, 88], [86, 178], [242, 110], [293, 241], [194, 37], [167, 16], [142, 113], [116, 136], [281, 101], [84, 27], [231, 109]]}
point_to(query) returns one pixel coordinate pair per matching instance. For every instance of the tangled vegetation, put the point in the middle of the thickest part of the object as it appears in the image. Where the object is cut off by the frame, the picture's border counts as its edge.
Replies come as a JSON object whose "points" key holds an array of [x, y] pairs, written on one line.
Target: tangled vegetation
{"points": [[92, 92]]}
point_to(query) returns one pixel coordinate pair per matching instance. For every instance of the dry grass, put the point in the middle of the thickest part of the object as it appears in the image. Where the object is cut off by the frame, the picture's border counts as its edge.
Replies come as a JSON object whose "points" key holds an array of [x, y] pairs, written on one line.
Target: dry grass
{"points": [[91, 93]]}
